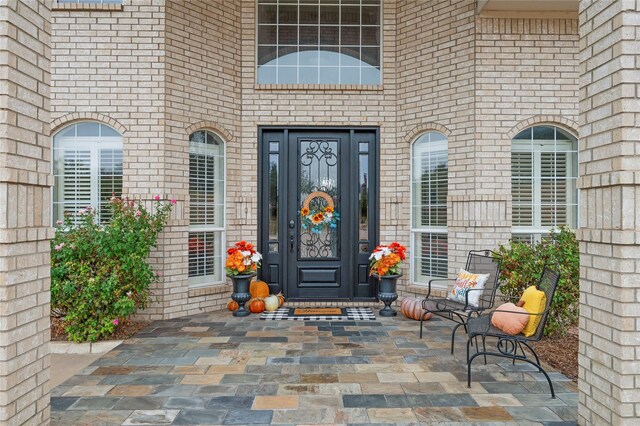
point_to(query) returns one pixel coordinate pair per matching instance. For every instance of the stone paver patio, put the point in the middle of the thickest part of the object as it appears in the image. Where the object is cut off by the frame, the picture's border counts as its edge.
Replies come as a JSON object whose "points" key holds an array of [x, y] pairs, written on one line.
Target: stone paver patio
{"points": [[217, 369]]}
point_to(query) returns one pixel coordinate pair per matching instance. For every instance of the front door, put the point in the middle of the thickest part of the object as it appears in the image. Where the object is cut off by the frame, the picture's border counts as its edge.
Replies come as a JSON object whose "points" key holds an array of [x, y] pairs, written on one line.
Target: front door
{"points": [[318, 218]]}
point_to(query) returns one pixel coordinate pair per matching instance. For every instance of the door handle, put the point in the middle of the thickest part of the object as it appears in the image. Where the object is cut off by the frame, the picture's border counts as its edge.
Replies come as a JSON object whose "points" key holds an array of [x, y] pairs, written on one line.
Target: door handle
{"points": [[291, 243]]}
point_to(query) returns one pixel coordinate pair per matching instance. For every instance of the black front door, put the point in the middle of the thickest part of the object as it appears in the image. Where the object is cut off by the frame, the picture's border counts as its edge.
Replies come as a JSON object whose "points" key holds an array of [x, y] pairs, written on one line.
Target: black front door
{"points": [[318, 218]]}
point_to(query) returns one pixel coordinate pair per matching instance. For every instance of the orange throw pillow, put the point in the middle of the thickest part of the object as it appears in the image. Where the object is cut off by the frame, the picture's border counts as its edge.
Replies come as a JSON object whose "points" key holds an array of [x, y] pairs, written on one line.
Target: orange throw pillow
{"points": [[512, 322]]}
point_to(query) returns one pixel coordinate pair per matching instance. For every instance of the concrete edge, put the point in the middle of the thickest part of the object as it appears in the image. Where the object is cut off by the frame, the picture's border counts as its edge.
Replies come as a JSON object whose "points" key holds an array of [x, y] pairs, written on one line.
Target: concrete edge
{"points": [[83, 348]]}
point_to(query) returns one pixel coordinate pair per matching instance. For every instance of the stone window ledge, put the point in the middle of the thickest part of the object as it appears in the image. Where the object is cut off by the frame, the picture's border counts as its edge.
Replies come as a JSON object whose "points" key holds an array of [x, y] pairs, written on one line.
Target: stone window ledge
{"points": [[206, 291], [86, 6], [422, 290], [322, 87]]}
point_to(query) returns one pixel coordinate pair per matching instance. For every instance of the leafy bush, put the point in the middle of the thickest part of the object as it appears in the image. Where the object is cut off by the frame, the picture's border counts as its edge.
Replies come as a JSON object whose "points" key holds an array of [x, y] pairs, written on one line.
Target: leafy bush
{"points": [[99, 271], [522, 264]]}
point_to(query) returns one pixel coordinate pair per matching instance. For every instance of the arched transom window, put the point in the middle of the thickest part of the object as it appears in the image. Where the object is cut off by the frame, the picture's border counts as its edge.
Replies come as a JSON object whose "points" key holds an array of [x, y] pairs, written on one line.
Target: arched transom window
{"points": [[544, 166], [429, 182], [207, 200], [87, 168]]}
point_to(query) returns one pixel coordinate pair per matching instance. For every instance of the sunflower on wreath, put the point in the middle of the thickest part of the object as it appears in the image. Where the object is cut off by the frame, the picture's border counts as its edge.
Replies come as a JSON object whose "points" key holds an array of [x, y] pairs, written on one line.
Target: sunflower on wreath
{"points": [[318, 219]]}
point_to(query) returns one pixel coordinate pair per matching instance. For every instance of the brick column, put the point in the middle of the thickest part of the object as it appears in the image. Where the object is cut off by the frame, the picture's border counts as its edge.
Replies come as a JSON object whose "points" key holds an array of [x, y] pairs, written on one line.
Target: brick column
{"points": [[609, 234], [25, 221]]}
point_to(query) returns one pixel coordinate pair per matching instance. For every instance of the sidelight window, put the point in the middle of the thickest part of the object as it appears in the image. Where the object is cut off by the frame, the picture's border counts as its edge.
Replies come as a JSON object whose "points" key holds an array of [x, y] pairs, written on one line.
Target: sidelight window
{"points": [[318, 42]]}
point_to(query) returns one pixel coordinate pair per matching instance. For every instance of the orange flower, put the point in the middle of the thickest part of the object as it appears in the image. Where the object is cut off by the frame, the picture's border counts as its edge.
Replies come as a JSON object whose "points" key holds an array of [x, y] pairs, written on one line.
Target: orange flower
{"points": [[317, 218], [234, 260], [328, 209], [304, 211]]}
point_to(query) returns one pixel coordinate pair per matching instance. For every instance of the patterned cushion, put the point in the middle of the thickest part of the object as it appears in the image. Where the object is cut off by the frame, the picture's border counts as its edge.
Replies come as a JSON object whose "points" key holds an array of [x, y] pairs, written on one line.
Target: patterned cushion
{"points": [[510, 322], [534, 303], [464, 282]]}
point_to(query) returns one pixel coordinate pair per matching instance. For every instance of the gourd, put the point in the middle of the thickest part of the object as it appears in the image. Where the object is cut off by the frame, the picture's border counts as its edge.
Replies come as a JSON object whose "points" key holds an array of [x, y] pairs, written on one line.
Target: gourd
{"points": [[259, 289], [271, 303], [256, 306], [411, 307], [232, 305], [280, 297]]}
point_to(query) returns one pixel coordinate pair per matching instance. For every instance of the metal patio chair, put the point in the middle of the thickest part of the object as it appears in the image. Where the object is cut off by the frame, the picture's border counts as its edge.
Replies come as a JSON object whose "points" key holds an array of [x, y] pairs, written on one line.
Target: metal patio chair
{"points": [[509, 346], [478, 262]]}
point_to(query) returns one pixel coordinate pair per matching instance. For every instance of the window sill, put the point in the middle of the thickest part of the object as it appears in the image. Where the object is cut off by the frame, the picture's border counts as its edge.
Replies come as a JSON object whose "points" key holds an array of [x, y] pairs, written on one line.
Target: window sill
{"points": [[209, 290], [322, 87], [86, 6], [422, 290]]}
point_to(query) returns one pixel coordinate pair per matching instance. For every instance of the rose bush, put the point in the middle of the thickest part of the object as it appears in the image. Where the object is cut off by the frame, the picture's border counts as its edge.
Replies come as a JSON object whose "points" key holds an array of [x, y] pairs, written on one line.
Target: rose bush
{"points": [[99, 271]]}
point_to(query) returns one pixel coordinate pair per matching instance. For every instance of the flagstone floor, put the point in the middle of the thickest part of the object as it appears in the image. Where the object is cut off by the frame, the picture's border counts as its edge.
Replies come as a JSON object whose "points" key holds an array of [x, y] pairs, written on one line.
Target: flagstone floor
{"points": [[217, 369]]}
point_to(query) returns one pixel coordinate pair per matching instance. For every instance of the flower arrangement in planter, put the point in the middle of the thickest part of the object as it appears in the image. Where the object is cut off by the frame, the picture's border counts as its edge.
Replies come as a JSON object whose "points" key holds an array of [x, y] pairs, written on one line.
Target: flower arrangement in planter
{"points": [[242, 264], [386, 259], [385, 265], [99, 270], [243, 259]]}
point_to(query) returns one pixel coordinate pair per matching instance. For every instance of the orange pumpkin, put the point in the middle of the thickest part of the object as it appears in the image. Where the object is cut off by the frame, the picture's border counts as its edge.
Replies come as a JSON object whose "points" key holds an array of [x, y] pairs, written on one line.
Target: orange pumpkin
{"points": [[256, 306], [280, 297], [232, 305], [411, 307], [258, 289]]}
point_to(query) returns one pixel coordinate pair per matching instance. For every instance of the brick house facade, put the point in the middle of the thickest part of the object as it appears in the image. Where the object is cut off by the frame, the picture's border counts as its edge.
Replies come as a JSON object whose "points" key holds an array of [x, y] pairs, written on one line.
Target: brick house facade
{"points": [[476, 73]]}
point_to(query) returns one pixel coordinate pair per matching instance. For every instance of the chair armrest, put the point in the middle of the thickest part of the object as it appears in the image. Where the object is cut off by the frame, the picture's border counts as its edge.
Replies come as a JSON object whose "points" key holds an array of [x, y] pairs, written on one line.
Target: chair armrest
{"points": [[466, 296], [447, 280]]}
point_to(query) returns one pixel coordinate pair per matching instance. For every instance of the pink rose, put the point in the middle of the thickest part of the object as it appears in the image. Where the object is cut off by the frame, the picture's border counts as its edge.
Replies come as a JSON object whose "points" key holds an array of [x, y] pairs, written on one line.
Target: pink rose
{"points": [[116, 322], [173, 201], [138, 213], [58, 222], [157, 198]]}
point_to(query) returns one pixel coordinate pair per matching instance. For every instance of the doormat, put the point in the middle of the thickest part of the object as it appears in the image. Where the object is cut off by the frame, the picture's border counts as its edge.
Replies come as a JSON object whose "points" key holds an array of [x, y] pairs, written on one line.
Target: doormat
{"points": [[313, 314]]}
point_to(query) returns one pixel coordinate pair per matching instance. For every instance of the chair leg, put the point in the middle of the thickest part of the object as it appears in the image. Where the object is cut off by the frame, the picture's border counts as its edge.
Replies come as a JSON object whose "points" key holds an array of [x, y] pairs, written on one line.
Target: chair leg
{"points": [[484, 348], [468, 348], [453, 335], [421, 322], [534, 354]]}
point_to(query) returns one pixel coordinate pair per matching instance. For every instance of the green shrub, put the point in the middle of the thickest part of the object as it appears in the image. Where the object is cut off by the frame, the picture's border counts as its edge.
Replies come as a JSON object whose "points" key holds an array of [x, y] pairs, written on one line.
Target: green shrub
{"points": [[99, 271], [522, 264]]}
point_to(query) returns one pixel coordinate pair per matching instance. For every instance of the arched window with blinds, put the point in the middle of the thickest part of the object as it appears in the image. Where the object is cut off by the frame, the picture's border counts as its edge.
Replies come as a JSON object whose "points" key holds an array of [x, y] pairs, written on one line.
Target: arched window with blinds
{"points": [[429, 181], [206, 206], [87, 168], [544, 170]]}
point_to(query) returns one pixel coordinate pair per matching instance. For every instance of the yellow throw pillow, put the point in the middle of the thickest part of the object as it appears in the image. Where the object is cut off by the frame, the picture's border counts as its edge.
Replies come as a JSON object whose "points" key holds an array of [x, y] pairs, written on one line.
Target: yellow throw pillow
{"points": [[534, 303]]}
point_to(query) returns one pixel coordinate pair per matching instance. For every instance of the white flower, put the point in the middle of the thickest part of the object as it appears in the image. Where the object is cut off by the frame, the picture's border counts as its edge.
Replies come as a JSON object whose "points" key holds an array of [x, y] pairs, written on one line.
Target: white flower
{"points": [[377, 255], [81, 212], [245, 253], [256, 257]]}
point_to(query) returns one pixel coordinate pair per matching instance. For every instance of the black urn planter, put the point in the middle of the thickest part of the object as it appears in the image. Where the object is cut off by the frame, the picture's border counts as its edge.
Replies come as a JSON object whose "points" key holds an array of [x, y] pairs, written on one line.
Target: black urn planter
{"points": [[241, 292], [387, 293]]}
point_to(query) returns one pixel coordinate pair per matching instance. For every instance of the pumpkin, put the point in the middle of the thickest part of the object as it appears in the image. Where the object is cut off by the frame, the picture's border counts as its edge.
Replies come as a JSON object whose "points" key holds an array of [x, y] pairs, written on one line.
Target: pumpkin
{"points": [[411, 307], [280, 297], [271, 303], [256, 306], [232, 305], [258, 289]]}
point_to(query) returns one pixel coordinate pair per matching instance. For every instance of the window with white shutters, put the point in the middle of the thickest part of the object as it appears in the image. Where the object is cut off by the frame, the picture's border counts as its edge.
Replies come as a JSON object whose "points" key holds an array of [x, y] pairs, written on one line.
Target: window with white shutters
{"points": [[429, 184], [206, 205], [544, 168], [87, 168]]}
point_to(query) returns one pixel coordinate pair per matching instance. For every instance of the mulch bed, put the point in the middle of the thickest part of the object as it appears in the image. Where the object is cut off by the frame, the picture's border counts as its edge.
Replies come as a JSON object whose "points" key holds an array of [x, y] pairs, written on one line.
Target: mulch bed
{"points": [[124, 330], [561, 352]]}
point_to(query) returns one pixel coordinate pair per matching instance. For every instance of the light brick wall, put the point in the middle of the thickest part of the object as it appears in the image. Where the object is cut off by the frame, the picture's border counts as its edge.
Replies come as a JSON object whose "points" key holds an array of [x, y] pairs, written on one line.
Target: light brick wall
{"points": [[202, 92], [108, 64], [609, 353], [436, 93], [526, 74], [25, 227]]}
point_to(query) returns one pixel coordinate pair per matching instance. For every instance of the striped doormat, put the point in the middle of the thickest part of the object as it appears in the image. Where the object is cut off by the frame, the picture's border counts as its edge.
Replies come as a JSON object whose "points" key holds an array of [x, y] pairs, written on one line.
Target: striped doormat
{"points": [[320, 314]]}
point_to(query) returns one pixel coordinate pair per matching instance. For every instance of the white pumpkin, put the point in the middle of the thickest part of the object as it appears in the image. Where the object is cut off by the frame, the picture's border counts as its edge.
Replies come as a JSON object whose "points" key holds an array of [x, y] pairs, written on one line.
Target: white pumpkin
{"points": [[271, 303]]}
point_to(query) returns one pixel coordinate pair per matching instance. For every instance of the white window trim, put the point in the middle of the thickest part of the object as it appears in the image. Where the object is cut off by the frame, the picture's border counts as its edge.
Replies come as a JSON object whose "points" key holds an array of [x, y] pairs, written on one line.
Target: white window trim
{"points": [[206, 280], [536, 147], [441, 145]]}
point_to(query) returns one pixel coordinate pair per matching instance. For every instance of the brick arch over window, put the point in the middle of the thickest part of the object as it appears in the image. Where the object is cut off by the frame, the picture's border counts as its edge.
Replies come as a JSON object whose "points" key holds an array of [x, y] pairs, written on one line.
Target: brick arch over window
{"points": [[539, 120], [211, 126], [424, 128], [65, 120]]}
